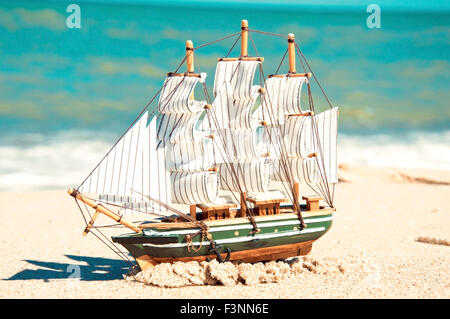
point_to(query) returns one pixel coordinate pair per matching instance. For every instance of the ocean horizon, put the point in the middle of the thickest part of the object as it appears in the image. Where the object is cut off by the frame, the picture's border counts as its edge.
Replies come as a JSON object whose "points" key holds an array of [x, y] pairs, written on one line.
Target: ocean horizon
{"points": [[67, 94]]}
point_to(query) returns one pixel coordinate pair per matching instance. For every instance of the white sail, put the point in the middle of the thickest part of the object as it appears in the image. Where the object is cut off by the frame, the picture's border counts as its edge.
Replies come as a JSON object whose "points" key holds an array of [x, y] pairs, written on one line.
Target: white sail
{"points": [[131, 169], [296, 170], [188, 150], [298, 135], [234, 99], [253, 175], [306, 135], [194, 187], [175, 128], [272, 103], [190, 156], [239, 74], [326, 123], [176, 92], [293, 134], [293, 88], [235, 145], [282, 97], [285, 134], [235, 128]]}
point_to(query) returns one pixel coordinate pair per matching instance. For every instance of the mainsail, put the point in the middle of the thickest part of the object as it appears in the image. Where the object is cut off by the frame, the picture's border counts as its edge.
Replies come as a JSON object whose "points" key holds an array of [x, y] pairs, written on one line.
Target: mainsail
{"points": [[241, 167]]}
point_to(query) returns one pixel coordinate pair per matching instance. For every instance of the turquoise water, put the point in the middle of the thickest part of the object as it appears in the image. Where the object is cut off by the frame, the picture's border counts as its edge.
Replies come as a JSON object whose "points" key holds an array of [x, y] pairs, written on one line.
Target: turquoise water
{"points": [[66, 94]]}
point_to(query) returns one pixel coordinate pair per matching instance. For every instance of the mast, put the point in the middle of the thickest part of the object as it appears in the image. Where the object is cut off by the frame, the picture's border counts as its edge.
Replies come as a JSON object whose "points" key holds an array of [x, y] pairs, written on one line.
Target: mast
{"points": [[241, 166], [291, 49], [244, 38], [306, 150], [287, 129], [244, 53], [190, 56], [291, 52], [190, 69]]}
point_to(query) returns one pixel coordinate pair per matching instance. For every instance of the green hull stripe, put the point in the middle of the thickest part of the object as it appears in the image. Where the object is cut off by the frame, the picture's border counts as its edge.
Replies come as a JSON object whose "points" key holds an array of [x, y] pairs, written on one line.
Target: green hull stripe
{"points": [[243, 239], [236, 227]]}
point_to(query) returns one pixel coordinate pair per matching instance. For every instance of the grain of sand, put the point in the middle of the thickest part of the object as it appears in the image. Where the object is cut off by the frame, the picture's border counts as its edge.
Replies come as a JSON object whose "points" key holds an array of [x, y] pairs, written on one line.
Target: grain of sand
{"points": [[372, 248]]}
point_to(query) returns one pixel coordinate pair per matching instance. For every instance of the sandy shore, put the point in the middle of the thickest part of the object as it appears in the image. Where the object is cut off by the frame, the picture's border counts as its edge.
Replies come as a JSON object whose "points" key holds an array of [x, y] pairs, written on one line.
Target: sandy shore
{"points": [[381, 214]]}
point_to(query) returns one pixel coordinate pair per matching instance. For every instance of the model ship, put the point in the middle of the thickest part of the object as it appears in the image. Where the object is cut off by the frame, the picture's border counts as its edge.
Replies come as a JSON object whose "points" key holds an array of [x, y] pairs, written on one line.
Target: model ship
{"points": [[227, 174]]}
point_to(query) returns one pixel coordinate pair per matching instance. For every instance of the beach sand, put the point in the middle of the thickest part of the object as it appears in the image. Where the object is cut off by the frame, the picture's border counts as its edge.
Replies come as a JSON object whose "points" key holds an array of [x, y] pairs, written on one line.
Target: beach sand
{"points": [[390, 235]]}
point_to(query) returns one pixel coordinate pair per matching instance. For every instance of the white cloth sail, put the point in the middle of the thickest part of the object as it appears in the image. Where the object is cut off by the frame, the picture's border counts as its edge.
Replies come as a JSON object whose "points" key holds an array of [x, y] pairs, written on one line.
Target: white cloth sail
{"points": [[175, 128], [235, 128], [293, 89], [298, 135], [295, 137], [282, 97], [175, 95], [188, 150], [239, 74], [327, 123], [235, 145], [188, 156], [194, 187], [133, 168], [296, 170], [253, 175], [306, 135], [272, 103]]}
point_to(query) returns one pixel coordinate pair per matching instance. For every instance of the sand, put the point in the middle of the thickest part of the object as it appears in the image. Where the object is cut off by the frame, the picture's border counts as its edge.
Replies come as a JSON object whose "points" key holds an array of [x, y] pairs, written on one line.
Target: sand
{"points": [[389, 239]]}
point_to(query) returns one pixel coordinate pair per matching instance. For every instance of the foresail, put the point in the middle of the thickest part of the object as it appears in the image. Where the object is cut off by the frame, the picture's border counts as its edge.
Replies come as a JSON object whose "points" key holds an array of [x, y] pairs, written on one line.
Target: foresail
{"points": [[132, 169], [175, 128], [188, 150], [176, 92]]}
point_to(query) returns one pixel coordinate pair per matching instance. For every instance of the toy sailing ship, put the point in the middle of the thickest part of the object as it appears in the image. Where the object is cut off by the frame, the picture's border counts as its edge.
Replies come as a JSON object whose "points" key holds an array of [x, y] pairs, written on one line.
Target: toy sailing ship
{"points": [[226, 174]]}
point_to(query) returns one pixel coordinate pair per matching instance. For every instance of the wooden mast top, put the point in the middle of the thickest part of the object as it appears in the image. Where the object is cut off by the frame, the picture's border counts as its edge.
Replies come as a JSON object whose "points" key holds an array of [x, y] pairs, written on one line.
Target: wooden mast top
{"points": [[190, 61], [292, 71], [244, 38], [291, 49], [190, 56], [244, 46]]}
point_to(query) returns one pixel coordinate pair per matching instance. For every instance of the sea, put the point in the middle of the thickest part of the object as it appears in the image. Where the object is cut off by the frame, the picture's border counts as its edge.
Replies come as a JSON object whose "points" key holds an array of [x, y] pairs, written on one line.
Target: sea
{"points": [[75, 74]]}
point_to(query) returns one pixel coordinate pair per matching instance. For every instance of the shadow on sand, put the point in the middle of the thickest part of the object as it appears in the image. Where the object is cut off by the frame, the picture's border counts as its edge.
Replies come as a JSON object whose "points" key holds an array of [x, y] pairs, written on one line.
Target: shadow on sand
{"points": [[96, 269]]}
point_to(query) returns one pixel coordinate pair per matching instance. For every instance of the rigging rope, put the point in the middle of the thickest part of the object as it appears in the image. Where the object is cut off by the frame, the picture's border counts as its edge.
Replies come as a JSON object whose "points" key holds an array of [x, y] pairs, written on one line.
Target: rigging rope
{"points": [[300, 53]]}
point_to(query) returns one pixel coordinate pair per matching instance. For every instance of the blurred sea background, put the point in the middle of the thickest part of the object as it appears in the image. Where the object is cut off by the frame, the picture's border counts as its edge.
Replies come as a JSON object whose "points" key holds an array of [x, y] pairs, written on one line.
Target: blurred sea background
{"points": [[67, 94]]}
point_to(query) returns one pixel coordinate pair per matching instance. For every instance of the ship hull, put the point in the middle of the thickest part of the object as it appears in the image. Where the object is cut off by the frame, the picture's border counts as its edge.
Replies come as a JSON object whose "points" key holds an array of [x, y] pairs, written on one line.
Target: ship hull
{"points": [[280, 237]]}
